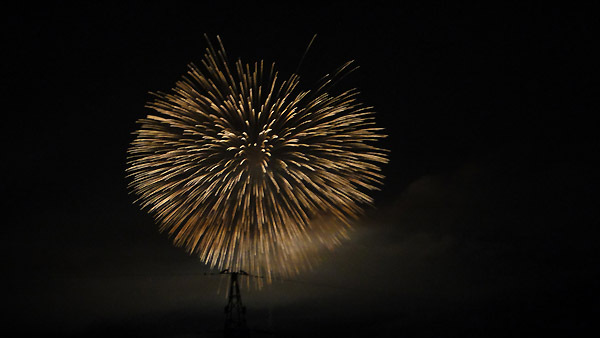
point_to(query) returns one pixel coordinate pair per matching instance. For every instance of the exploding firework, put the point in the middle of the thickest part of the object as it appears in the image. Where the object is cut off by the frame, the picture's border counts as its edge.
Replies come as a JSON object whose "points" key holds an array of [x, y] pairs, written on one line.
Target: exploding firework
{"points": [[251, 173]]}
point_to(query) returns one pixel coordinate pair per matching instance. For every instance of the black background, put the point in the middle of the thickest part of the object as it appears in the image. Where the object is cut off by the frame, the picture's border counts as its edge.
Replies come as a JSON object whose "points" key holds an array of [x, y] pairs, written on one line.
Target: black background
{"points": [[485, 225]]}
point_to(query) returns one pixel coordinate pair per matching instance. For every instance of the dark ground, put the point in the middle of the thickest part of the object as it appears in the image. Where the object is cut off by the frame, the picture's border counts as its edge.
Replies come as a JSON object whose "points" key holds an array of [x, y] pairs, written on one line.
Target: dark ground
{"points": [[486, 225]]}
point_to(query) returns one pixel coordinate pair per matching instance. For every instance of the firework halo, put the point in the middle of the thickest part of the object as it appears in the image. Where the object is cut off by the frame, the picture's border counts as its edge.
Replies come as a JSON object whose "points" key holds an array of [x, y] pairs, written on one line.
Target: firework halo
{"points": [[251, 173]]}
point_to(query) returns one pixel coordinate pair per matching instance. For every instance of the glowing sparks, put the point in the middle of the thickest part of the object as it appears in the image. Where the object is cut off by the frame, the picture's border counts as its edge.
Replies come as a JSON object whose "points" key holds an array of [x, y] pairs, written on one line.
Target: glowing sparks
{"points": [[251, 173]]}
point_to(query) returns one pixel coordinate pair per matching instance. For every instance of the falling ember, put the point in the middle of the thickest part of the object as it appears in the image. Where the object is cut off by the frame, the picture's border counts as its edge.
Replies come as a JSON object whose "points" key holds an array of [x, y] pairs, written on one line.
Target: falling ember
{"points": [[251, 173]]}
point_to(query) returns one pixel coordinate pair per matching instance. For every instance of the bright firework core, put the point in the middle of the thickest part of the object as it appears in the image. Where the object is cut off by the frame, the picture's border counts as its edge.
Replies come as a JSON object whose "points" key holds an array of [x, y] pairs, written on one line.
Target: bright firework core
{"points": [[251, 173], [255, 155]]}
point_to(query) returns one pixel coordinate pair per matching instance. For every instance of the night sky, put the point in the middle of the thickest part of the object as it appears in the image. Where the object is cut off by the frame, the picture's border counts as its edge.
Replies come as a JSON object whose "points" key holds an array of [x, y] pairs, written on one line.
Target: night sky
{"points": [[485, 227]]}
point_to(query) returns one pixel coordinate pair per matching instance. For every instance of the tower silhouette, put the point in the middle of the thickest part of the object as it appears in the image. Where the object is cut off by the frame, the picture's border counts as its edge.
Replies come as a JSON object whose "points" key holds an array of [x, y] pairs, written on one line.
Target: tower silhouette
{"points": [[235, 311]]}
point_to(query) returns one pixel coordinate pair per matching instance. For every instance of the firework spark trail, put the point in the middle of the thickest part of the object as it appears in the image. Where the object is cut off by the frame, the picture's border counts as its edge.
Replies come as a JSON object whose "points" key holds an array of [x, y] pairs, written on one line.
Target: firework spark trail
{"points": [[247, 171]]}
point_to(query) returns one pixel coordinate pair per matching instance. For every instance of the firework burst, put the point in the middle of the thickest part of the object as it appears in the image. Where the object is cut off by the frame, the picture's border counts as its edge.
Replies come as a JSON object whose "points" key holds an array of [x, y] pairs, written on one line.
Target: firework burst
{"points": [[249, 172]]}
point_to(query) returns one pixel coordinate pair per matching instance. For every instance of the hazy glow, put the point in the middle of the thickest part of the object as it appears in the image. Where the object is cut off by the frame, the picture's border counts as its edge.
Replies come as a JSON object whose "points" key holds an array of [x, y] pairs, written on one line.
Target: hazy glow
{"points": [[249, 172]]}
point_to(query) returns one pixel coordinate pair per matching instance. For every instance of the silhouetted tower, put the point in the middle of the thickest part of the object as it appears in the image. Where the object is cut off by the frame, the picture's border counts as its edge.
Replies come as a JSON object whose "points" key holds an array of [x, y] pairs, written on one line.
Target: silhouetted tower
{"points": [[235, 311]]}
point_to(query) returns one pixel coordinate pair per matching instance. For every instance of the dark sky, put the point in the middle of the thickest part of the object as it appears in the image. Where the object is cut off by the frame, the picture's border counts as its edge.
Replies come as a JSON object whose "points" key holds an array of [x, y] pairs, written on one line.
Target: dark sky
{"points": [[486, 224]]}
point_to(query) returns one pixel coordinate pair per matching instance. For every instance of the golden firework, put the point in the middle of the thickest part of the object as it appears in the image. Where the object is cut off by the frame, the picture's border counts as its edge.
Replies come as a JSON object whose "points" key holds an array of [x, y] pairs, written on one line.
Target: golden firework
{"points": [[249, 172]]}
